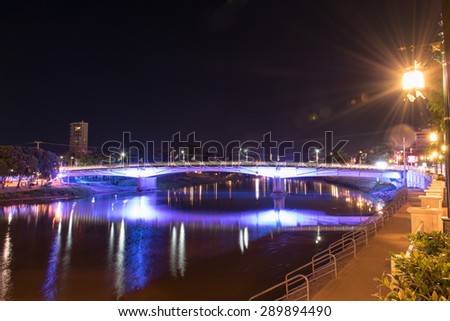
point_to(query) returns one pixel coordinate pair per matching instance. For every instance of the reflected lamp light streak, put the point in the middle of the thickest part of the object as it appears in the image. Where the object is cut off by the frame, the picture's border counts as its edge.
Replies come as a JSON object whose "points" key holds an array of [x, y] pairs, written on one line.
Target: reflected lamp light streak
{"points": [[241, 241], [119, 283], [111, 247], [318, 237], [177, 260], [68, 248], [50, 288], [173, 252], [138, 265], [182, 251], [246, 238], [57, 217], [191, 195], [265, 186], [334, 191], [6, 263]]}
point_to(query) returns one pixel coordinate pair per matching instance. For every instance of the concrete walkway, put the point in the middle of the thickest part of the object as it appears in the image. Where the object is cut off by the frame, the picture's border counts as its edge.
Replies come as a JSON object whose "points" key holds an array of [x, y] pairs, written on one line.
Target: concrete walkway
{"points": [[355, 281]]}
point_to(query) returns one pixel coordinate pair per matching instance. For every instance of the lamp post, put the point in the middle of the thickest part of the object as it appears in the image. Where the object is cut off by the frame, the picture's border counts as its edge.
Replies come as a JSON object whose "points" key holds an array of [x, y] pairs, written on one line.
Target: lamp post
{"points": [[317, 157], [434, 154], [405, 182], [414, 81], [245, 154], [445, 45]]}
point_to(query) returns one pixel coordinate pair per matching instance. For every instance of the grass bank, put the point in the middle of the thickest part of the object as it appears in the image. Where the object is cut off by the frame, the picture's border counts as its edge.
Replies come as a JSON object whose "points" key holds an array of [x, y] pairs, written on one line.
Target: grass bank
{"points": [[57, 191], [44, 193]]}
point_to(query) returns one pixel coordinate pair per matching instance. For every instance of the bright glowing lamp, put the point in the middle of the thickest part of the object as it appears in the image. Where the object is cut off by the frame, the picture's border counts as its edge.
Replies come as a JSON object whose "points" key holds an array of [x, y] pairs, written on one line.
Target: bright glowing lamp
{"points": [[433, 137], [413, 80]]}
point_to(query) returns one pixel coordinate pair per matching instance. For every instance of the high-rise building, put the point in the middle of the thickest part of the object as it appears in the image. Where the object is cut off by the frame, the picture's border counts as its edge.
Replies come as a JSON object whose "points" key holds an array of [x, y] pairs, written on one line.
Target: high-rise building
{"points": [[422, 141], [79, 138]]}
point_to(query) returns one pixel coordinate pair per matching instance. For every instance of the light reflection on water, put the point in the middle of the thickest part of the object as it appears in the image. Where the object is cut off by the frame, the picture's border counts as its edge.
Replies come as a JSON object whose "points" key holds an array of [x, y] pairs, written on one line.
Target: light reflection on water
{"points": [[5, 264], [105, 247]]}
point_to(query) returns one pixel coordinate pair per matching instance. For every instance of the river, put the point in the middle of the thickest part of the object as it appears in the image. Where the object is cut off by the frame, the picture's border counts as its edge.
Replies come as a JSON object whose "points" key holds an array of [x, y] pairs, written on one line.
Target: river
{"points": [[219, 241]]}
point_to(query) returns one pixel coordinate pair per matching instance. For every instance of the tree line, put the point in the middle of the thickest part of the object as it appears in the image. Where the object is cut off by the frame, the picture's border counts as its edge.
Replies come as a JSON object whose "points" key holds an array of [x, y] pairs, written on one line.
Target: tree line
{"points": [[27, 162]]}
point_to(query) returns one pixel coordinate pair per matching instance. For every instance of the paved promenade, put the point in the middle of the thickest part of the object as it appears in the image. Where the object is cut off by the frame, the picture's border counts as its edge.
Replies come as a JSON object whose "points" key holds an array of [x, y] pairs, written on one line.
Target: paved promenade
{"points": [[355, 281]]}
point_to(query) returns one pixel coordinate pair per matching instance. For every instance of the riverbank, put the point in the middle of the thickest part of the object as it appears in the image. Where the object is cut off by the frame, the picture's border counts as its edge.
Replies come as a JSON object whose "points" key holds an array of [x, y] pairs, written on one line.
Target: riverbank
{"points": [[57, 191], [65, 191], [382, 191]]}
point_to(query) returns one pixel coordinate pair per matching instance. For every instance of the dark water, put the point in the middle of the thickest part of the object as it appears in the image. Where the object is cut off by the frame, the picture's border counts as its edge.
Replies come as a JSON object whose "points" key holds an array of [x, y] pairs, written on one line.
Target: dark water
{"points": [[223, 241]]}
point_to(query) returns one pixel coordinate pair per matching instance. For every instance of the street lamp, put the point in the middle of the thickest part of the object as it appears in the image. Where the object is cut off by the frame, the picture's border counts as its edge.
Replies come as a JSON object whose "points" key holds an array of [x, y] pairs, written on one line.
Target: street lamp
{"points": [[182, 155], [433, 137], [445, 45], [317, 156], [414, 80], [71, 161], [123, 158]]}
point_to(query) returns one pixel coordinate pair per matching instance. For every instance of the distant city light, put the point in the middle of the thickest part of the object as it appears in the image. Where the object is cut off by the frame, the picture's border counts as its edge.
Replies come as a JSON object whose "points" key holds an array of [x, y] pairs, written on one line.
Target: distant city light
{"points": [[433, 137], [381, 164]]}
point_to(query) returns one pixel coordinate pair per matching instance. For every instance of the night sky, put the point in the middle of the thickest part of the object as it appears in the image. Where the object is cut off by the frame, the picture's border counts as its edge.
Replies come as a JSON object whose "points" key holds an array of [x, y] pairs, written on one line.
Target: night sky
{"points": [[228, 70]]}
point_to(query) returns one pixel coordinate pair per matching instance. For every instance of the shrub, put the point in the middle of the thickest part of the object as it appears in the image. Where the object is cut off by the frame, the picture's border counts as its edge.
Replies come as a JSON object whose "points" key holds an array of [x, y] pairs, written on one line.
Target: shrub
{"points": [[422, 276]]}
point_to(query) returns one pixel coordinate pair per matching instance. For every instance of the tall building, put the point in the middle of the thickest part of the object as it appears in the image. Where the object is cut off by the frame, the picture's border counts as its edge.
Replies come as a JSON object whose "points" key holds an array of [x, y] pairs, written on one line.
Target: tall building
{"points": [[422, 141], [79, 138]]}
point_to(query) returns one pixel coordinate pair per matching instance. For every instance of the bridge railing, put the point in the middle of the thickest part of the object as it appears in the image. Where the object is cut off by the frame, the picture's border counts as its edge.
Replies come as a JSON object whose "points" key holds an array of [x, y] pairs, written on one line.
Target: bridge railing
{"points": [[297, 283], [229, 164]]}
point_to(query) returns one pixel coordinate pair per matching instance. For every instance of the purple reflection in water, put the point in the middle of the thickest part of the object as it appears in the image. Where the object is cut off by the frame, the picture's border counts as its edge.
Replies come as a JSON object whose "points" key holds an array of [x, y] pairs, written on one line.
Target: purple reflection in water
{"points": [[106, 247]]}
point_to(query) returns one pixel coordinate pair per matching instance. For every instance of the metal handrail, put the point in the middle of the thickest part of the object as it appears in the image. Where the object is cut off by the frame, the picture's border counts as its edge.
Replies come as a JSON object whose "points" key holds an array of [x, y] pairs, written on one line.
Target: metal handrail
{"points": [[297, 289], [325, 262], [272, 289]]}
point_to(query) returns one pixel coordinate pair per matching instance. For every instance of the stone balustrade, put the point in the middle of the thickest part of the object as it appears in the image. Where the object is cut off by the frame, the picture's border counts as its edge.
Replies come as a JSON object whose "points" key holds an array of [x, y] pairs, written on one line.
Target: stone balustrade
{"points": [[430, 212]]}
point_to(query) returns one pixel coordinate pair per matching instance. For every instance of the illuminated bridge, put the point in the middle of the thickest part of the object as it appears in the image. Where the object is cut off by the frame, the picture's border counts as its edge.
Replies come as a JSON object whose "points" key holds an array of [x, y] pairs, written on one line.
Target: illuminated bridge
{"points": [[147, 173]]}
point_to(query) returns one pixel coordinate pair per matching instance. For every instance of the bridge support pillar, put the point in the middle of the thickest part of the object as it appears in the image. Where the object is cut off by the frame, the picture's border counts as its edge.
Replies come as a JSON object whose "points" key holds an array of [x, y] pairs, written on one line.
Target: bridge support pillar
{"points": [[278, 187], [278, 203], [146, 183]]}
